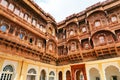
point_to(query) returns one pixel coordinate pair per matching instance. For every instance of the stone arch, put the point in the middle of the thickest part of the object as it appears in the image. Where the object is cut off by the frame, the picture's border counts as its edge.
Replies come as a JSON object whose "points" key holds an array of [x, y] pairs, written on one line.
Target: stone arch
{"points": [[43, 75], [79, 75], [31, 74], [60, 75], [71, 23], [52, 75], [8, 72], [68, 75], [112, 73], [96, 11], [94, 74]]}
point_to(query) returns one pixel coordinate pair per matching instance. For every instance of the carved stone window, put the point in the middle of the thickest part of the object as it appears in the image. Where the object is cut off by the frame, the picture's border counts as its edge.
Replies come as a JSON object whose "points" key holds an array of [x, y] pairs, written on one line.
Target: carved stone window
{"points": [[4, 3], [21, 14], [113, 18], [51, 31], [31, 40], [51, 75], [86, 45], [26, 17], [102, 39], [29, 19], [97, 23], [50, 47], [73, 47], [21, 35], [3, 28], [71, 32], [11, 7], [39, 44], [34, 22], [81, 76], [7, 73], [84, 29], [11, 30], [17, 11], [31, 75]]}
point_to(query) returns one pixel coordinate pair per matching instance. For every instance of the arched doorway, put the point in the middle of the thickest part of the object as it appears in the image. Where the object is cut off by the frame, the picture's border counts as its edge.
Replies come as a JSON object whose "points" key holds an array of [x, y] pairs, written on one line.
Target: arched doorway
{"points": [[43, 75], [68, 75], [79, 75], [60, 75], [94, 74], [51, 75], [112, 73], [7, 73], [31, 75]]}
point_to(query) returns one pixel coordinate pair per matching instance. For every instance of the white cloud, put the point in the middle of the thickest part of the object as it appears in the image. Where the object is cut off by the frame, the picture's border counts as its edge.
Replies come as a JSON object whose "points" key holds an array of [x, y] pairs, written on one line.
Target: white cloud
{"points": [[60, 9]]}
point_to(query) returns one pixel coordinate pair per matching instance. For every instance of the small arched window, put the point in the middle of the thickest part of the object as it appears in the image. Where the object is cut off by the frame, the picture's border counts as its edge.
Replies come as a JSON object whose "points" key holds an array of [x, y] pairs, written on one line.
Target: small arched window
{"points": [[3, 28], [43, 75], [81, 76], [39, 44], [32, 71], [102, 39], [97, 23], [17, 11], [7, 73], [84, 29], [31, 40], [31, 75], [71, 33], [21, 35], [11, 7], [50, 47], [113, 18], [4, 3], [86, 45], [33, 21], [11, 30], [26, 16], [50, 30], [51, 75], [21, 14], [73, 47]]}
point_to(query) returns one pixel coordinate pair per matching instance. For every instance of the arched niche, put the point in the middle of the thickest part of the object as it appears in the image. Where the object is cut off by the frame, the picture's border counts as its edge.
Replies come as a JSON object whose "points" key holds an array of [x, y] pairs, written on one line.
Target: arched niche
{"points": [[31, 74], [43, 75], [73, 45], [71, 29], [7, 73], [60, 75], [68, 75], [79, 75], [97, 19], [103, 37], [94, 74], [51, 46], [51, 75], [112, 73]]}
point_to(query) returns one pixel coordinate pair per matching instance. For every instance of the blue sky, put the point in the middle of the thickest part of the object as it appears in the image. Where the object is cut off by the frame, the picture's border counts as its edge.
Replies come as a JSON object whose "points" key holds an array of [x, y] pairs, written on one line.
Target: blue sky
{"points": [[60, 9]]}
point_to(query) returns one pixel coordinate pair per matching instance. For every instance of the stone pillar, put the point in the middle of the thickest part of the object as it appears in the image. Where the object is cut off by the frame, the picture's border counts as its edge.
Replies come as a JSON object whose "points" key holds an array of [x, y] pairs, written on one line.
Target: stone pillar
{"points": [[23, 75], [102, 72]]}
